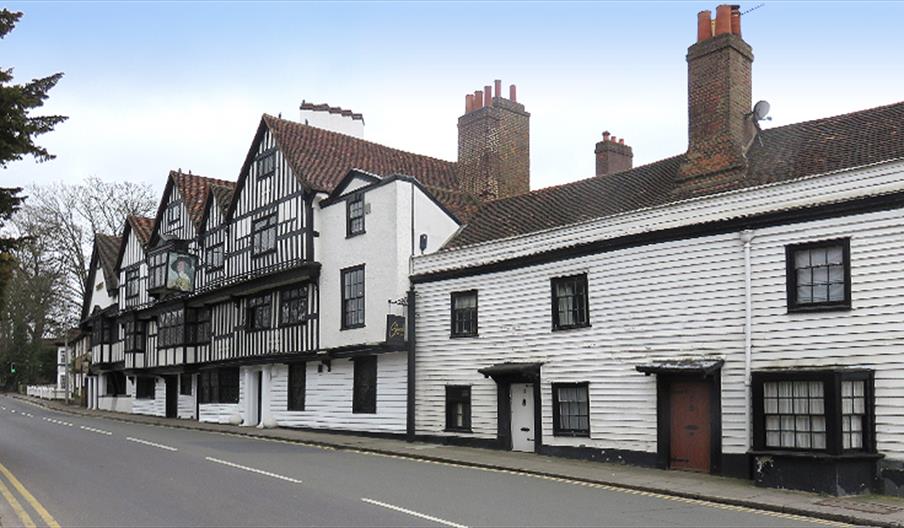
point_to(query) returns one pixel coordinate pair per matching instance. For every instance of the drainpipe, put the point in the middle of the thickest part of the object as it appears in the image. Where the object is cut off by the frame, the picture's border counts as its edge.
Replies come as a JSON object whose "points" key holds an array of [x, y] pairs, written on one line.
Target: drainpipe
{"points": [[746, 237]]}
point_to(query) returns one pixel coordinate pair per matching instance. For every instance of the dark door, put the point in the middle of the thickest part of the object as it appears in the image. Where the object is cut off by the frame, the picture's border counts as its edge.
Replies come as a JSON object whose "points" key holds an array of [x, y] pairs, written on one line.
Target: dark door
{"points": [[260, 383], [691, 428], [172, 396]]}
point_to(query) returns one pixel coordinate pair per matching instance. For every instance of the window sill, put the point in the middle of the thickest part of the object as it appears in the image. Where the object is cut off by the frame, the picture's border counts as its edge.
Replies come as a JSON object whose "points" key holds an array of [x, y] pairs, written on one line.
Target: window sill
{"points": [[863, 455], [462, 336], [457, 430], [823, 307], [567, 328], [352, 327], [353, 235], [364, 412], [565, 434], [263, 253]]}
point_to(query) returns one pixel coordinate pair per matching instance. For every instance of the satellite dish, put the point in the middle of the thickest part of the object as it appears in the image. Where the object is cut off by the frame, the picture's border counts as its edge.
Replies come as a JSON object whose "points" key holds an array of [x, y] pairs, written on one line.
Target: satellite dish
{"points": [[760, 110]]}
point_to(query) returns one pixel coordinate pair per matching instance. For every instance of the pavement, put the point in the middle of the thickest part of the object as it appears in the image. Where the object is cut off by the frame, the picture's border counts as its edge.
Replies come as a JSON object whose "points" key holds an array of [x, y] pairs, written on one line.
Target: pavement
{"points": [[457, 486]]}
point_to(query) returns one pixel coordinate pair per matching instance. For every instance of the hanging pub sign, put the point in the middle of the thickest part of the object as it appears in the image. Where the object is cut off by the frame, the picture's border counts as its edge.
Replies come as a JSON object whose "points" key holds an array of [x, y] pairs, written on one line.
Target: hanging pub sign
{"points": [[171, 270], [395, 329]]}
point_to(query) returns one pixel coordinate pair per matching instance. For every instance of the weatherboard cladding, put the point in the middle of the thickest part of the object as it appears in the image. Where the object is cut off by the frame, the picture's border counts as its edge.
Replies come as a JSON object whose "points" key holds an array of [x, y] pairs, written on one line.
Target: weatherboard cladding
{"points": [[778, 154]]}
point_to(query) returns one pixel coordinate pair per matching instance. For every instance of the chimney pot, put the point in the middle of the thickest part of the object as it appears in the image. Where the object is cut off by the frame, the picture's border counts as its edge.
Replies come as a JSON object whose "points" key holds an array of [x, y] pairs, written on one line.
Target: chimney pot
{"points": [[498, 87], [469, 103], [621, 141], [723, 19], [488, 95], [606, 135], [704, 25], [736, 20], [478, 100], [512, 95], [613, 139]]}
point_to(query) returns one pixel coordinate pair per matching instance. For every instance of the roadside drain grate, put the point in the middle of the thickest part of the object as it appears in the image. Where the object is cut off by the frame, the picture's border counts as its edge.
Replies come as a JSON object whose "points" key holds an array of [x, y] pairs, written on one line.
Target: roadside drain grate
{"points": [[861, 506]]}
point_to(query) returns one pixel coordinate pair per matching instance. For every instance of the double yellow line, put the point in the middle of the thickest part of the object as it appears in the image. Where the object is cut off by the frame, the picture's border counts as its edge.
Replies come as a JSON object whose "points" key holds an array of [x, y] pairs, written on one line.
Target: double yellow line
{"points": [[23, 515]]}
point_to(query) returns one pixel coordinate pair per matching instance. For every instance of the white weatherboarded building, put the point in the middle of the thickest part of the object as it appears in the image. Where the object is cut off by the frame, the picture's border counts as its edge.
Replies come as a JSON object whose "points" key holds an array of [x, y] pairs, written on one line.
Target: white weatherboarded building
{"points": [[735, 309]]}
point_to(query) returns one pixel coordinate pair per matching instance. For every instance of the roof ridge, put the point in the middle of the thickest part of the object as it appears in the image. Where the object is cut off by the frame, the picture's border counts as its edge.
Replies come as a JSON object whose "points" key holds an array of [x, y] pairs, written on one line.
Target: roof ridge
{"points": [[836, 116], [357, 139]]}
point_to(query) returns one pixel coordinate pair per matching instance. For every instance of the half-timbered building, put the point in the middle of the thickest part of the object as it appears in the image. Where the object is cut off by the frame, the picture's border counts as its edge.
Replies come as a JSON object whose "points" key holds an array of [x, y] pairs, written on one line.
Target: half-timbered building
{"points": [[734, 309]]}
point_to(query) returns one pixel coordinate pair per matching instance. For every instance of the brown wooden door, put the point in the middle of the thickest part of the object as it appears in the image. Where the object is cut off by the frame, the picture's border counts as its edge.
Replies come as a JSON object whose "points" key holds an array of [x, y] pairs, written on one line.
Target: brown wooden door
{"points": [[690, 425]]}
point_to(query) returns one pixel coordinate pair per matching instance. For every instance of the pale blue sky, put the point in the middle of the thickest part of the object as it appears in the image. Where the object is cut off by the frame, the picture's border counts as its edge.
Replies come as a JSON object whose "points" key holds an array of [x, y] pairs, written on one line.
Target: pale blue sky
{"points": [[154, 86]]}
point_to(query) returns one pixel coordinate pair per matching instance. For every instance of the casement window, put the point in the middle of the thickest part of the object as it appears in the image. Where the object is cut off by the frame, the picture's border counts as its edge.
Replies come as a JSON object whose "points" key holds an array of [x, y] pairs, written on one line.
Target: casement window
{"points": [[819, 275], [570, 409], [297, 382], [353, 297], [214, 257], [266, 164], [145, 388], [135, 336], [263, 235], [293, 305], [259, 314], [173, 216], [199, 326], [133, 287], [464, 313], [570, 307], [171, 328], [364, 397], [219, 385], [116, 384], [157, 270], [458, 408], [354, 215], [824, 411], [185, 383], [104, 332]]}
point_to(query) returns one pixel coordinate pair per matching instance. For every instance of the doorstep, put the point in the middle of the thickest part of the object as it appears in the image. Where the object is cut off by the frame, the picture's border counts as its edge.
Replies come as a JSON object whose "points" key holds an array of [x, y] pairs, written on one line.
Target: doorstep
{"points": [[882, 511]]}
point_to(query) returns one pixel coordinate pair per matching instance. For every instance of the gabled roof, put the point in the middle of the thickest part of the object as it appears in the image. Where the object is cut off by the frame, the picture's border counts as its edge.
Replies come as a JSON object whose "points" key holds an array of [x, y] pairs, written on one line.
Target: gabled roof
{"points": [[221, 194], [107, 249], [778, 154], [193, 190], [143, 227]]}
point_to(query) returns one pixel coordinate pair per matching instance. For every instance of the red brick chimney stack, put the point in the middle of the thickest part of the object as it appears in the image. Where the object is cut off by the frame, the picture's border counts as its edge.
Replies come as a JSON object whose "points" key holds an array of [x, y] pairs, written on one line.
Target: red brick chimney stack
{"points": [[719, 89], [612, 155], [494, 144]]}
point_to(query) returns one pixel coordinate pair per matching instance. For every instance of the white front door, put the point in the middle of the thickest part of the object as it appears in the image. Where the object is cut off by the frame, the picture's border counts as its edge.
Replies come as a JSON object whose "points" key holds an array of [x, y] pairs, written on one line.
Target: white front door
{"points": [[522, 405]]}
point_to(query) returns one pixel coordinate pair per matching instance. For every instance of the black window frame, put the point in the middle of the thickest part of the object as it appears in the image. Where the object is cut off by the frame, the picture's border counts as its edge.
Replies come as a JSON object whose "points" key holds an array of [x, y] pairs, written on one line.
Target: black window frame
{"points": [[135, 336], [579, 279], [791, 276], [355, 204], [259, 227], [132, 277], [157, 261], [464, 322], [145, 388], [289, 297], [173, 215], [265, 164], [557, 429], [297, 386], [171, 334], [115, 384], [220, 385], [209, 256], [200, 325], [832, 381], [458, 394], [362, 299], [185, 384], [364, 385], [253, 305]]}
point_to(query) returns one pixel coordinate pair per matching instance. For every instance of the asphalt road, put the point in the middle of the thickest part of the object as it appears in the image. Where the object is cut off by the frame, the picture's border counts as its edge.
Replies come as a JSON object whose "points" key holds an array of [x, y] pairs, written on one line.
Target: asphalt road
{"points": [[95, 472]]}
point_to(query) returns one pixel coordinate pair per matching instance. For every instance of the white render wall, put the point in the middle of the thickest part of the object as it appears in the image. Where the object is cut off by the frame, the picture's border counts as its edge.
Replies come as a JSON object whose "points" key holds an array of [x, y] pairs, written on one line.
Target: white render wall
{"points": [[328, 397], [384, 249], [669, 300]]}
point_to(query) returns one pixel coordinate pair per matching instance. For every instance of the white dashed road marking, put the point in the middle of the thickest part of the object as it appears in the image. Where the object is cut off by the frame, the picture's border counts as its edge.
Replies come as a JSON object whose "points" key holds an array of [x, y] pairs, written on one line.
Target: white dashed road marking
{"points": [[93, 430], [258, 471], [414, 513], [152, 444]]}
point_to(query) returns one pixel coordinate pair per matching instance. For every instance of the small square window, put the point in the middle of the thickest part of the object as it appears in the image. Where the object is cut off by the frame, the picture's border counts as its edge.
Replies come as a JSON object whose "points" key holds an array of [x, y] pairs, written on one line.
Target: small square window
{"points": [[570, 308], [263, 235], [571, 409], [145, 388], [464, 313], [458, 408], [818, 275], [354, 213], [259, 314], [215, 257], [293, 305], [266, 164]]}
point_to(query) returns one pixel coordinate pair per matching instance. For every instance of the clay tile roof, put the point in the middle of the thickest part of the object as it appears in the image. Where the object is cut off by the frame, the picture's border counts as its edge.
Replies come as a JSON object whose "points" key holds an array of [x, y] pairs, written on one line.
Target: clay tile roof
{"points": [[322, 158], [778, 154], [193, 189], [142, 226], [107, 248], [223, 194]]}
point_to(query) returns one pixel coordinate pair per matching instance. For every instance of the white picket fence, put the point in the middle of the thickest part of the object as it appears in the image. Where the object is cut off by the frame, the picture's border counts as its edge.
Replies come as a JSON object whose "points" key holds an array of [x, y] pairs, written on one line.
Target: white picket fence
{"points": [[47, 392]]}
